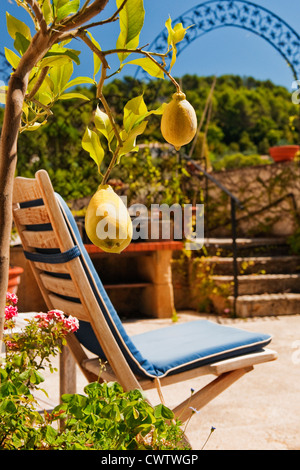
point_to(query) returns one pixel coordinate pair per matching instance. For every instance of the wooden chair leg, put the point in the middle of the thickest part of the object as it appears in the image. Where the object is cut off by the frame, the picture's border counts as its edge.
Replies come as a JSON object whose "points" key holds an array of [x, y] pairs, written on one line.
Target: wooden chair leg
{"points": [[67, 372], [201, 398]]}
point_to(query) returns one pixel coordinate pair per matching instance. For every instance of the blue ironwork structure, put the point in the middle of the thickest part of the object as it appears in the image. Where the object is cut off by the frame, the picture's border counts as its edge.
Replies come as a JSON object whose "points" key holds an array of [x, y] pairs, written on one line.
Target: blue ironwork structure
{"points": [[215, 14]]}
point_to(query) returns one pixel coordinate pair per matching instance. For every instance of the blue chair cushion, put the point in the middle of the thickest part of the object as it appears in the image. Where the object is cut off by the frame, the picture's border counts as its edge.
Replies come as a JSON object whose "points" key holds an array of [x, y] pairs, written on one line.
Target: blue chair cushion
{"points": [[166, 350]]}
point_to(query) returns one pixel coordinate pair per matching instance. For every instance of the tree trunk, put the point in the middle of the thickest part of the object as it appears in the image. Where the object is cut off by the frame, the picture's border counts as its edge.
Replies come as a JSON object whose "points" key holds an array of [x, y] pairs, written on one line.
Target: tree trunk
{"points": [[8, 154]]}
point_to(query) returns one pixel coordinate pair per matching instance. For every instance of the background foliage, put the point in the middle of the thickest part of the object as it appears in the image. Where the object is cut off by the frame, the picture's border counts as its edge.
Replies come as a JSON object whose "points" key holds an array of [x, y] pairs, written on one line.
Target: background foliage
{"points": [[248, 116]]}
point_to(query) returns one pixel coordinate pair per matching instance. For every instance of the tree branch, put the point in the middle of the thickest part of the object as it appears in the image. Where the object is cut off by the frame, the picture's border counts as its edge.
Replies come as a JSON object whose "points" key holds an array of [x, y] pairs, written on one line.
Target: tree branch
{"points": [[113, 18], [38, 83], [150, 56], [100, 95], [73, 23], [38, 14], [94, 48]]}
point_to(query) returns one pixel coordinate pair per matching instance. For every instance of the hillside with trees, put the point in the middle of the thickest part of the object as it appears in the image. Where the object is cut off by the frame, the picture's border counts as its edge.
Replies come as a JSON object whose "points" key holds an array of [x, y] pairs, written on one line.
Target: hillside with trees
{"points": [[248, 116]]}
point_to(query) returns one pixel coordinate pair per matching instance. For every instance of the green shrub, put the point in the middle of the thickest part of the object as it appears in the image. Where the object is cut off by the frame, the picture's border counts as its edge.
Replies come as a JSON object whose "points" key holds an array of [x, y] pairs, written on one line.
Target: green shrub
{"points": [[238, 160]]}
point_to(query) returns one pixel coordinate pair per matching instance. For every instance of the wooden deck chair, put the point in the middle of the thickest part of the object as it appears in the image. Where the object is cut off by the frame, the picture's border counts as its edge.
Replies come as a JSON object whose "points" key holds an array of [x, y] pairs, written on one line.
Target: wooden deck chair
{"points": [[69, 282]]}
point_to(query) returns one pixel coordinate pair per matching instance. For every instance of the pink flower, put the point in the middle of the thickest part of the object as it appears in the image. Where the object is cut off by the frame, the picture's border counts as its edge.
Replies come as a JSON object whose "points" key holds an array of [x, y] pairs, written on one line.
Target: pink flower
{"points": [[71, 323], [10, 312], [58, 315], [10, 297], [43, 319], [11, 345]]}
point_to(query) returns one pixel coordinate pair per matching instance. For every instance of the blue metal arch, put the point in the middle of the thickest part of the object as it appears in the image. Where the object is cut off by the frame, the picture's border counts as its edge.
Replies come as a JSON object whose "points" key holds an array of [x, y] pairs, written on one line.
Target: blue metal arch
{"points": [[215, 14]]}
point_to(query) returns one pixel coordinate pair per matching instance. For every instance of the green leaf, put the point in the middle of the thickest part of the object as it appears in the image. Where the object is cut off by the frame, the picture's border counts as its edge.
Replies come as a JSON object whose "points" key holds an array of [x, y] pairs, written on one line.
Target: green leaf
{"points": [[16, 26], [133, 110], [103, 125], [161, 411], [50, 434], [12, 58], [175, 35], [97, 61], [47, 11], [179, 32], [34, 126], [72, 54], [91, 143], [131, 22], [129, 139], [60, 76], [59, 3], [69, 96], [78, 81], [149, 66], [21, 43], [36, 378], [67, 9], [54, 61]]}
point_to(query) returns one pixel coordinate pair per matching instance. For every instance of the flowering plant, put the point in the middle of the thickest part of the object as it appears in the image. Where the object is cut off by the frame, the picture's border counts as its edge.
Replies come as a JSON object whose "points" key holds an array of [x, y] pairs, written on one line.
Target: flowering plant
{"points": [[105, 418], [31, 349]]}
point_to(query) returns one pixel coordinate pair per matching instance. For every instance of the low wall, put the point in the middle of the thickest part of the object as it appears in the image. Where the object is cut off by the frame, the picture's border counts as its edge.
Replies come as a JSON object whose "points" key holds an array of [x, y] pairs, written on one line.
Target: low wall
{"points": [[257, 188]]}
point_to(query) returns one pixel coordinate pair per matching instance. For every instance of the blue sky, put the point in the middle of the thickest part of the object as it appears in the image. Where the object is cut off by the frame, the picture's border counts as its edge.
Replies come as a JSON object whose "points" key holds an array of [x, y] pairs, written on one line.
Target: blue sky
{"points": [[223, 51]]}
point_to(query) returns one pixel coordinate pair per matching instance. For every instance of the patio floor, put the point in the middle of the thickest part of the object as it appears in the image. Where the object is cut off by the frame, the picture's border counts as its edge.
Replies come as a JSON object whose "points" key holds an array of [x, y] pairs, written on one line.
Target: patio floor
{"points": [[259, 412]]}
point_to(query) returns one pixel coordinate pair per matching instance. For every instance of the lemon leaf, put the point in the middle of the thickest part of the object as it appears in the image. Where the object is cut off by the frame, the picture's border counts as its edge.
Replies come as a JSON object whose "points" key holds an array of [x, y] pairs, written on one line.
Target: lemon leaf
{"points": [[78, 81], [134, 110], [67, 9], [149, 66], [21, 43], [16, 26], [97, 61], [175, 35], [91, 143], [47, 11], [12, 58], [131, 22], [129, 139], [60, 75], [103, 125], [69, 96]]}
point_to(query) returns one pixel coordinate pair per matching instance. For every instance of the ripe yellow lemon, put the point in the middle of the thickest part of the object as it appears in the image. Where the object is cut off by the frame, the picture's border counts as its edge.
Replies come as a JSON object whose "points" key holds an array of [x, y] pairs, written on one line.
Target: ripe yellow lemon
{"points": [[107, 221], [179, 121]]}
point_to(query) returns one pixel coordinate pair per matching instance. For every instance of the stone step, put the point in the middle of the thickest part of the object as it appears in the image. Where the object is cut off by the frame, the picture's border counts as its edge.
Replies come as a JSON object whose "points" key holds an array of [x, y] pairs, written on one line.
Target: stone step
{"points": [[267, 305], [263, 283], [247, 246], [257, 265], [245, 241]]}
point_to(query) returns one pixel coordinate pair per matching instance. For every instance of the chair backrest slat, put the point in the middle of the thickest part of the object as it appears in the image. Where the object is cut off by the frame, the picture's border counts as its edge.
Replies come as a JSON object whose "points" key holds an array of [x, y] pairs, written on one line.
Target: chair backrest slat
{"points": [[46, 240], [59, 286], [32, 215], [61, 268], [69, 308], [26, 189]]}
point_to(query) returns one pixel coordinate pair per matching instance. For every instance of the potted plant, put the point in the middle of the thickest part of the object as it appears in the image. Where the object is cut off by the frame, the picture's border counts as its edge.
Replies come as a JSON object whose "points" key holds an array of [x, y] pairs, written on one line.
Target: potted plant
{"points": [[283, 152]]}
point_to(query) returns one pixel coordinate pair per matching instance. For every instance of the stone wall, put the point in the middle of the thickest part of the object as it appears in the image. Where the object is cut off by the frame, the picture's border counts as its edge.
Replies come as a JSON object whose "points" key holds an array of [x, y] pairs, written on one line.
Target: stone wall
{"points": [[258, 188]]}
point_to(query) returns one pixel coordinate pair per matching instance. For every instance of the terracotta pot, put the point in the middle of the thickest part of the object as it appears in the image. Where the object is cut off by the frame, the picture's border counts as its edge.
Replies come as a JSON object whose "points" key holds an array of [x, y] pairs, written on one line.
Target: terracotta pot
{"points": [[14, 278], [284, 152]]}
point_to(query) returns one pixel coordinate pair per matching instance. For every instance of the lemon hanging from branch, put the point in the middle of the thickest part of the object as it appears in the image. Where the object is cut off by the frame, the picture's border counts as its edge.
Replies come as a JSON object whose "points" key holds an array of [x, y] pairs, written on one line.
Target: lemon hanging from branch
{"points": [[179, 121], [107, 222]]}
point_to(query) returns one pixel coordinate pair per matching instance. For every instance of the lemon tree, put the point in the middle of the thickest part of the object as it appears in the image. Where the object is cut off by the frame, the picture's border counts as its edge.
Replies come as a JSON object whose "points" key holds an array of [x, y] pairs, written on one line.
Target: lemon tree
{"points": [[42, 66]]}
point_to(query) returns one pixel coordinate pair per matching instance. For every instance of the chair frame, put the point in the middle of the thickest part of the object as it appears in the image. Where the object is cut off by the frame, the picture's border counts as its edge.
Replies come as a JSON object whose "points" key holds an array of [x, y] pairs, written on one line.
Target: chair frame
{"points": [[225, 372]]}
